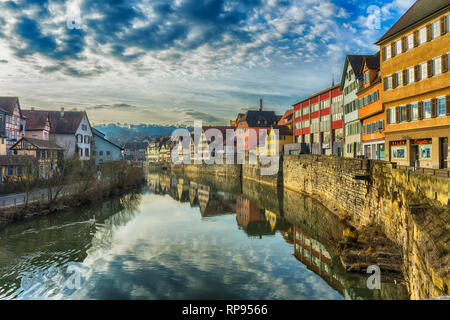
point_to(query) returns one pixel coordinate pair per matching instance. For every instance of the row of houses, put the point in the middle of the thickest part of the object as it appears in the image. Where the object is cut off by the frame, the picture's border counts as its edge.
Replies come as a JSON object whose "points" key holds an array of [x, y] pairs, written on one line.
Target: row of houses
{"points": [[393, 105], [41, 137]]}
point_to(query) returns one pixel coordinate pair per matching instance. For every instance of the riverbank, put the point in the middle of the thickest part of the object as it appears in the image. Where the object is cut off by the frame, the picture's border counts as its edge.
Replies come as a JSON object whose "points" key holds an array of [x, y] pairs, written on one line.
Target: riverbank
{"points": [[409, 209], [93, 194]]}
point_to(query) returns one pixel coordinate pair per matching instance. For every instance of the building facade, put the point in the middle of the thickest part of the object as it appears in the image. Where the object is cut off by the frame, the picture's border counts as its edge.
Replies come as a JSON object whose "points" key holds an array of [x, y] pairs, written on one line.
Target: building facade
{"points": [[104, 150], [416, 86], [371, 111], [14, 123], [318, 122], [351, 82]]}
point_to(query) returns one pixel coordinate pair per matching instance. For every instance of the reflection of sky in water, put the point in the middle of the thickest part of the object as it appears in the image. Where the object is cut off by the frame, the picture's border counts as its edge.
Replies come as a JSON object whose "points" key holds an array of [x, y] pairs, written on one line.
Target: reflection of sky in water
{"points": [[168, 252]]}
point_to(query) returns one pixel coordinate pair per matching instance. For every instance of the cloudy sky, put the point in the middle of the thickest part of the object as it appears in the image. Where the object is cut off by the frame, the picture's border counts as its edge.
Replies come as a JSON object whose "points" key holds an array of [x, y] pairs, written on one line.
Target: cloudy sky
{"points": [[173, 61]]}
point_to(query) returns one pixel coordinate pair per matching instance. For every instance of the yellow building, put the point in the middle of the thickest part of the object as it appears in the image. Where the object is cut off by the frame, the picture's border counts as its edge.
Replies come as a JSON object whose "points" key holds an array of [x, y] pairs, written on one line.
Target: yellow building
{"points": [[274, 143], [416, 86]]}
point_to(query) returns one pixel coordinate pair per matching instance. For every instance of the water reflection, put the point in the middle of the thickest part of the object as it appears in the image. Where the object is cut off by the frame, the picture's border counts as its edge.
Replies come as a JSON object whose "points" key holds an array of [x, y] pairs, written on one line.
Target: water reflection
{"points": [[184, 238]]}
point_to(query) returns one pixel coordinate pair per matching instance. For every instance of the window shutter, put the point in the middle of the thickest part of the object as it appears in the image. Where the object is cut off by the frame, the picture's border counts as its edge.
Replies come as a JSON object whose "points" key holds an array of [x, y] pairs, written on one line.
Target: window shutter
{"points": [[429, 68], [433, 108], [397, 114], [404, 42], [394, 81], [384, 53], [420, 110], [408, 112], [448, 105], [444, 61], [393, 49], [405, 75], [443, 26], [416, 38], [385, 83], [416, 73], [428, 32]]}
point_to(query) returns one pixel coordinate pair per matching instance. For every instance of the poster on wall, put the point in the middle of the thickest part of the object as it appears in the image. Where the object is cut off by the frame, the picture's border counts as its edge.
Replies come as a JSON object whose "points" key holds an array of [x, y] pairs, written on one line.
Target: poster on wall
{"points": [[425, 152], [399, 152]]}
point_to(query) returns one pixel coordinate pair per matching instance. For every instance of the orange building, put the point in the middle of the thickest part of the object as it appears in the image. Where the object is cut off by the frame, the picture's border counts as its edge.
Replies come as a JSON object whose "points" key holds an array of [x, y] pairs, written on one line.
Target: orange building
{"points": [[371, 112], [416, 86]]}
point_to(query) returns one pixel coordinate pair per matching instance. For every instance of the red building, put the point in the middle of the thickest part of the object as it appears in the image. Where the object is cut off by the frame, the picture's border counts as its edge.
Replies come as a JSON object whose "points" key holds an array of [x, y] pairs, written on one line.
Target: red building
{"points": [[318, 122]]}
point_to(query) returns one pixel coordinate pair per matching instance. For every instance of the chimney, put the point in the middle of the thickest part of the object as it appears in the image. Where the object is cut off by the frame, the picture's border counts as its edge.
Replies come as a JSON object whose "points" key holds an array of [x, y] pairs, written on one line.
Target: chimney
{"points": [[62, 112], [260, 105]]}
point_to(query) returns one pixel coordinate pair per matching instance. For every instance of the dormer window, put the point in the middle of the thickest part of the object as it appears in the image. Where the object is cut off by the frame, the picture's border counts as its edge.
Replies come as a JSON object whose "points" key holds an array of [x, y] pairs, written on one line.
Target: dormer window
{"points": [[366, 77]]}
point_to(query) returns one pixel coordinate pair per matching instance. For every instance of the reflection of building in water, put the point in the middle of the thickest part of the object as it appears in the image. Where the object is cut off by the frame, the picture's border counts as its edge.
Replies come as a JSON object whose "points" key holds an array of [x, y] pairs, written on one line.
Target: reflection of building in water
{"points": [[193, 195], [213, 203], [154, 183], [183, 190], [251, 219], [276, 222], [316, 257]]}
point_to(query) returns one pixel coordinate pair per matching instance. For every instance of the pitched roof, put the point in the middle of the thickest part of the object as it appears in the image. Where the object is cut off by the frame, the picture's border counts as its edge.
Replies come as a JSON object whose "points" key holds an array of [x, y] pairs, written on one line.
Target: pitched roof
{"points": [[67, 123], [420, 12], [8, 104], [256, 118], [373, 62], [135, 145], [287, 118], [35, 120], [101, 135], [356, 62], [283, 130], [16, 160], [40, 144]]}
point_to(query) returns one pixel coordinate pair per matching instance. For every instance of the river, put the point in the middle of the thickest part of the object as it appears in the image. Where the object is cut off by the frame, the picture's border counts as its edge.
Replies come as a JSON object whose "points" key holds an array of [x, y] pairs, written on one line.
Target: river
{"points": [[184, 238]]}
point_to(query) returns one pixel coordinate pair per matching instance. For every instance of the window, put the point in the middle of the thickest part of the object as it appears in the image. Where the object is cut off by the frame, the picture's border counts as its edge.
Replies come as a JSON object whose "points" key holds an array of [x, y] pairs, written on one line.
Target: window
{"points": [[392, 116], [108, 153], [400, 79], [84, 127], [86, 152], [402, 113], [423, 71], [441, 107], [437, 66], [410, 75], [398, 47], [436, 29], [422, 35], [410, 42], [389, 82], [427, 109], [79, 138], [366, 77], [414, 111], [388, 52], [100, 153], [86, 139], [81, 152]]}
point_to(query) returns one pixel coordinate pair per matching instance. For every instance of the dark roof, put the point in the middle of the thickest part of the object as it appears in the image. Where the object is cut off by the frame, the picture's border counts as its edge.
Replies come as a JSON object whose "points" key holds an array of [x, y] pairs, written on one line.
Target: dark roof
{"points": [[284, 130], [356, 61], [8, 104], [67, 123], [35, 119], [16, 160], [40, 144], [373, 62], [98, 133], [256, 118], [420, 12]]}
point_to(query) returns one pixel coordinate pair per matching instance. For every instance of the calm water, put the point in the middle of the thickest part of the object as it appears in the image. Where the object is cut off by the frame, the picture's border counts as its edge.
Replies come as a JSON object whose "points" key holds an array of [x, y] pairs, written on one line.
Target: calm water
{"points": [[184, 239]]}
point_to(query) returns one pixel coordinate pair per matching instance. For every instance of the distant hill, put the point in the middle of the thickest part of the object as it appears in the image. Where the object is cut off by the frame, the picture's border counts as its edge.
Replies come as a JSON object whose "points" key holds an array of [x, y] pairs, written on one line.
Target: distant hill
{"points": [[123, 134]]}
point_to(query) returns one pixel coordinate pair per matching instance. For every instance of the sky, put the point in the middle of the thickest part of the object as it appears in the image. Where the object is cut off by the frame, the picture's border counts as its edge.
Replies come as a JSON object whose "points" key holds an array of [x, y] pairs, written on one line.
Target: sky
{"points": [[176, 61]]}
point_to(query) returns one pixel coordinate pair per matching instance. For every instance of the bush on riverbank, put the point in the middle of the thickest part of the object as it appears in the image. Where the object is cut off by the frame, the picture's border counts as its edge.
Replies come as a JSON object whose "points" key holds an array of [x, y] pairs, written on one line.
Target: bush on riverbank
{"points": [[83, 185]]}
